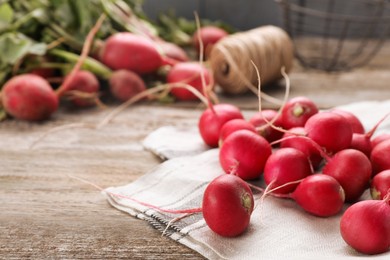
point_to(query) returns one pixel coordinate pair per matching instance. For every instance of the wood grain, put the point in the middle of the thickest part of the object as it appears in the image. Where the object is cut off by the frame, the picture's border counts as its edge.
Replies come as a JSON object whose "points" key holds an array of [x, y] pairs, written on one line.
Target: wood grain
{"points": [[46, 214]]}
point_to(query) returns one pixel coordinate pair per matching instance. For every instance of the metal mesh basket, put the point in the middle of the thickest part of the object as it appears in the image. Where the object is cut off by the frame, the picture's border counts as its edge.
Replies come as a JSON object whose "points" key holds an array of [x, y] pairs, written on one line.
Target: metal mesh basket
{"points": [[339, 35]]}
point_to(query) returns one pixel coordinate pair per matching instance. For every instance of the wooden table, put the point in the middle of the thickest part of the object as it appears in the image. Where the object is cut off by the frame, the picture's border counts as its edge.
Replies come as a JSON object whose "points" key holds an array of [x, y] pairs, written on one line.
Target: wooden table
{"points": [[46, 214]]}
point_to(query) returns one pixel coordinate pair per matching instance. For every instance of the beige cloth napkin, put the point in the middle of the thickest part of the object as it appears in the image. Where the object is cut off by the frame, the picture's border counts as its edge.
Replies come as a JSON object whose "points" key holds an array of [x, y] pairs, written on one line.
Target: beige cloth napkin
{"points": [[279, 229]]}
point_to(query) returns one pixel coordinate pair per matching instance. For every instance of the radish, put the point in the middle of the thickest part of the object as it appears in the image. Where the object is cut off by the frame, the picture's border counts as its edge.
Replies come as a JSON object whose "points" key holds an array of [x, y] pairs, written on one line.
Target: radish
{"points": [[297, 111], [84, 82], [244, 153], [233, 126], [173, 51], [125, 50], [365, 226], [125, 84], [380, 138], [208, 35], [259, 120], [356, 124], [380, 185], [330, 130], [352, 169], [45, 73], [227, 205], [320, 195], [284, 166], [362, 142], [29, 97], [380, 157], [189, 73], [81, 59], [38, 66], [302, 144], [212, 120]]}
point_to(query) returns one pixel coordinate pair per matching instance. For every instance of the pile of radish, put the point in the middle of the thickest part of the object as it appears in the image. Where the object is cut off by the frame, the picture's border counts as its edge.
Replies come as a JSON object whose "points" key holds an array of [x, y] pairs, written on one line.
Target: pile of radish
{"points": [[315, 160]]}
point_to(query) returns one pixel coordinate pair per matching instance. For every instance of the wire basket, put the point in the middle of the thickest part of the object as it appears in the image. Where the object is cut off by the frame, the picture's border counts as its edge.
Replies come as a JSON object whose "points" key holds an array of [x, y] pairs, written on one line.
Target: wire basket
{"points": [[339, 35]]}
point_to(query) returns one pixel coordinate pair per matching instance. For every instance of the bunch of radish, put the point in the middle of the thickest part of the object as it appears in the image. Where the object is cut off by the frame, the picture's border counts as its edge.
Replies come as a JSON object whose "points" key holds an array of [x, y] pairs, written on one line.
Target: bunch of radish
{"points": [[126, 62], [323, 160]]}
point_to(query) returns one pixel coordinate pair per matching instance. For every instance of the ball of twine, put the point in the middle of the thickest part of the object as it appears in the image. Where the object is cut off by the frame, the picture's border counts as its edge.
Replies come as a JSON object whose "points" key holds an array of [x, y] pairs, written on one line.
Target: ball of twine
{"points": [[269, 47]]}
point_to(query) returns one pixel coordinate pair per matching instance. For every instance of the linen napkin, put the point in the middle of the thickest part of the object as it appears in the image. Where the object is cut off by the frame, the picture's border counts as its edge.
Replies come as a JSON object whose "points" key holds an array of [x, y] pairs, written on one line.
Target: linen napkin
{"points": [[278, 229]]}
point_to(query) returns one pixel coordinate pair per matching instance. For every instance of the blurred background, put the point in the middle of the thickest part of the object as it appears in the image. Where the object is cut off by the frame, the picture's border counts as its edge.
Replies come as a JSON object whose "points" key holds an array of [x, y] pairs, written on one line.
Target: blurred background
{"points": [[242, 15], [329, 35]]}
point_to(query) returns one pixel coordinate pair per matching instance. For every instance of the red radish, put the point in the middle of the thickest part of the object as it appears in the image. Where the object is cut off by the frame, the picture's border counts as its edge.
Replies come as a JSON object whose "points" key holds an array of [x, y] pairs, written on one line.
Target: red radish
{"points": [[356, 124], [330, 130], [29, 97], [212, 120], [125, 84], [380, 157], [173, 51], [302, 144], [352, 169], [365, 226], [189, 73], [83, 56], [297, 111], [43, 72], [380, 185], [84, 82], [259, 120], [362, 142], [244, 153], [284, 166], [125, 50], [380, 138], [233, 126], [320, 195], [39, 69], [209, 35], [227, 205]]}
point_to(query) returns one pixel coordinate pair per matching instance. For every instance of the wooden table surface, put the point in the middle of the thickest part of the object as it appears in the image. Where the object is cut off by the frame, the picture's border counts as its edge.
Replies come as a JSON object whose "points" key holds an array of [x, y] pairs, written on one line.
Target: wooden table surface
{"points": [[46, 214]]}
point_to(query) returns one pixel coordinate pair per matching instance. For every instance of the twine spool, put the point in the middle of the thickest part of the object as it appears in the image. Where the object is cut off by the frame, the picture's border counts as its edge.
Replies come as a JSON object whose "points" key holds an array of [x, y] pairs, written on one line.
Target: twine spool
{"points": [[269, 47]]}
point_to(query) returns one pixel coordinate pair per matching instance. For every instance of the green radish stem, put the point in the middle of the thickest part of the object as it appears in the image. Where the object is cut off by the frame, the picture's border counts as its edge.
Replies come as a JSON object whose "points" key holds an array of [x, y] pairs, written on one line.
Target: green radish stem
{"points": [[48, 65], [84, 53], [89, 63], [121, 14], [57, 31]]}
